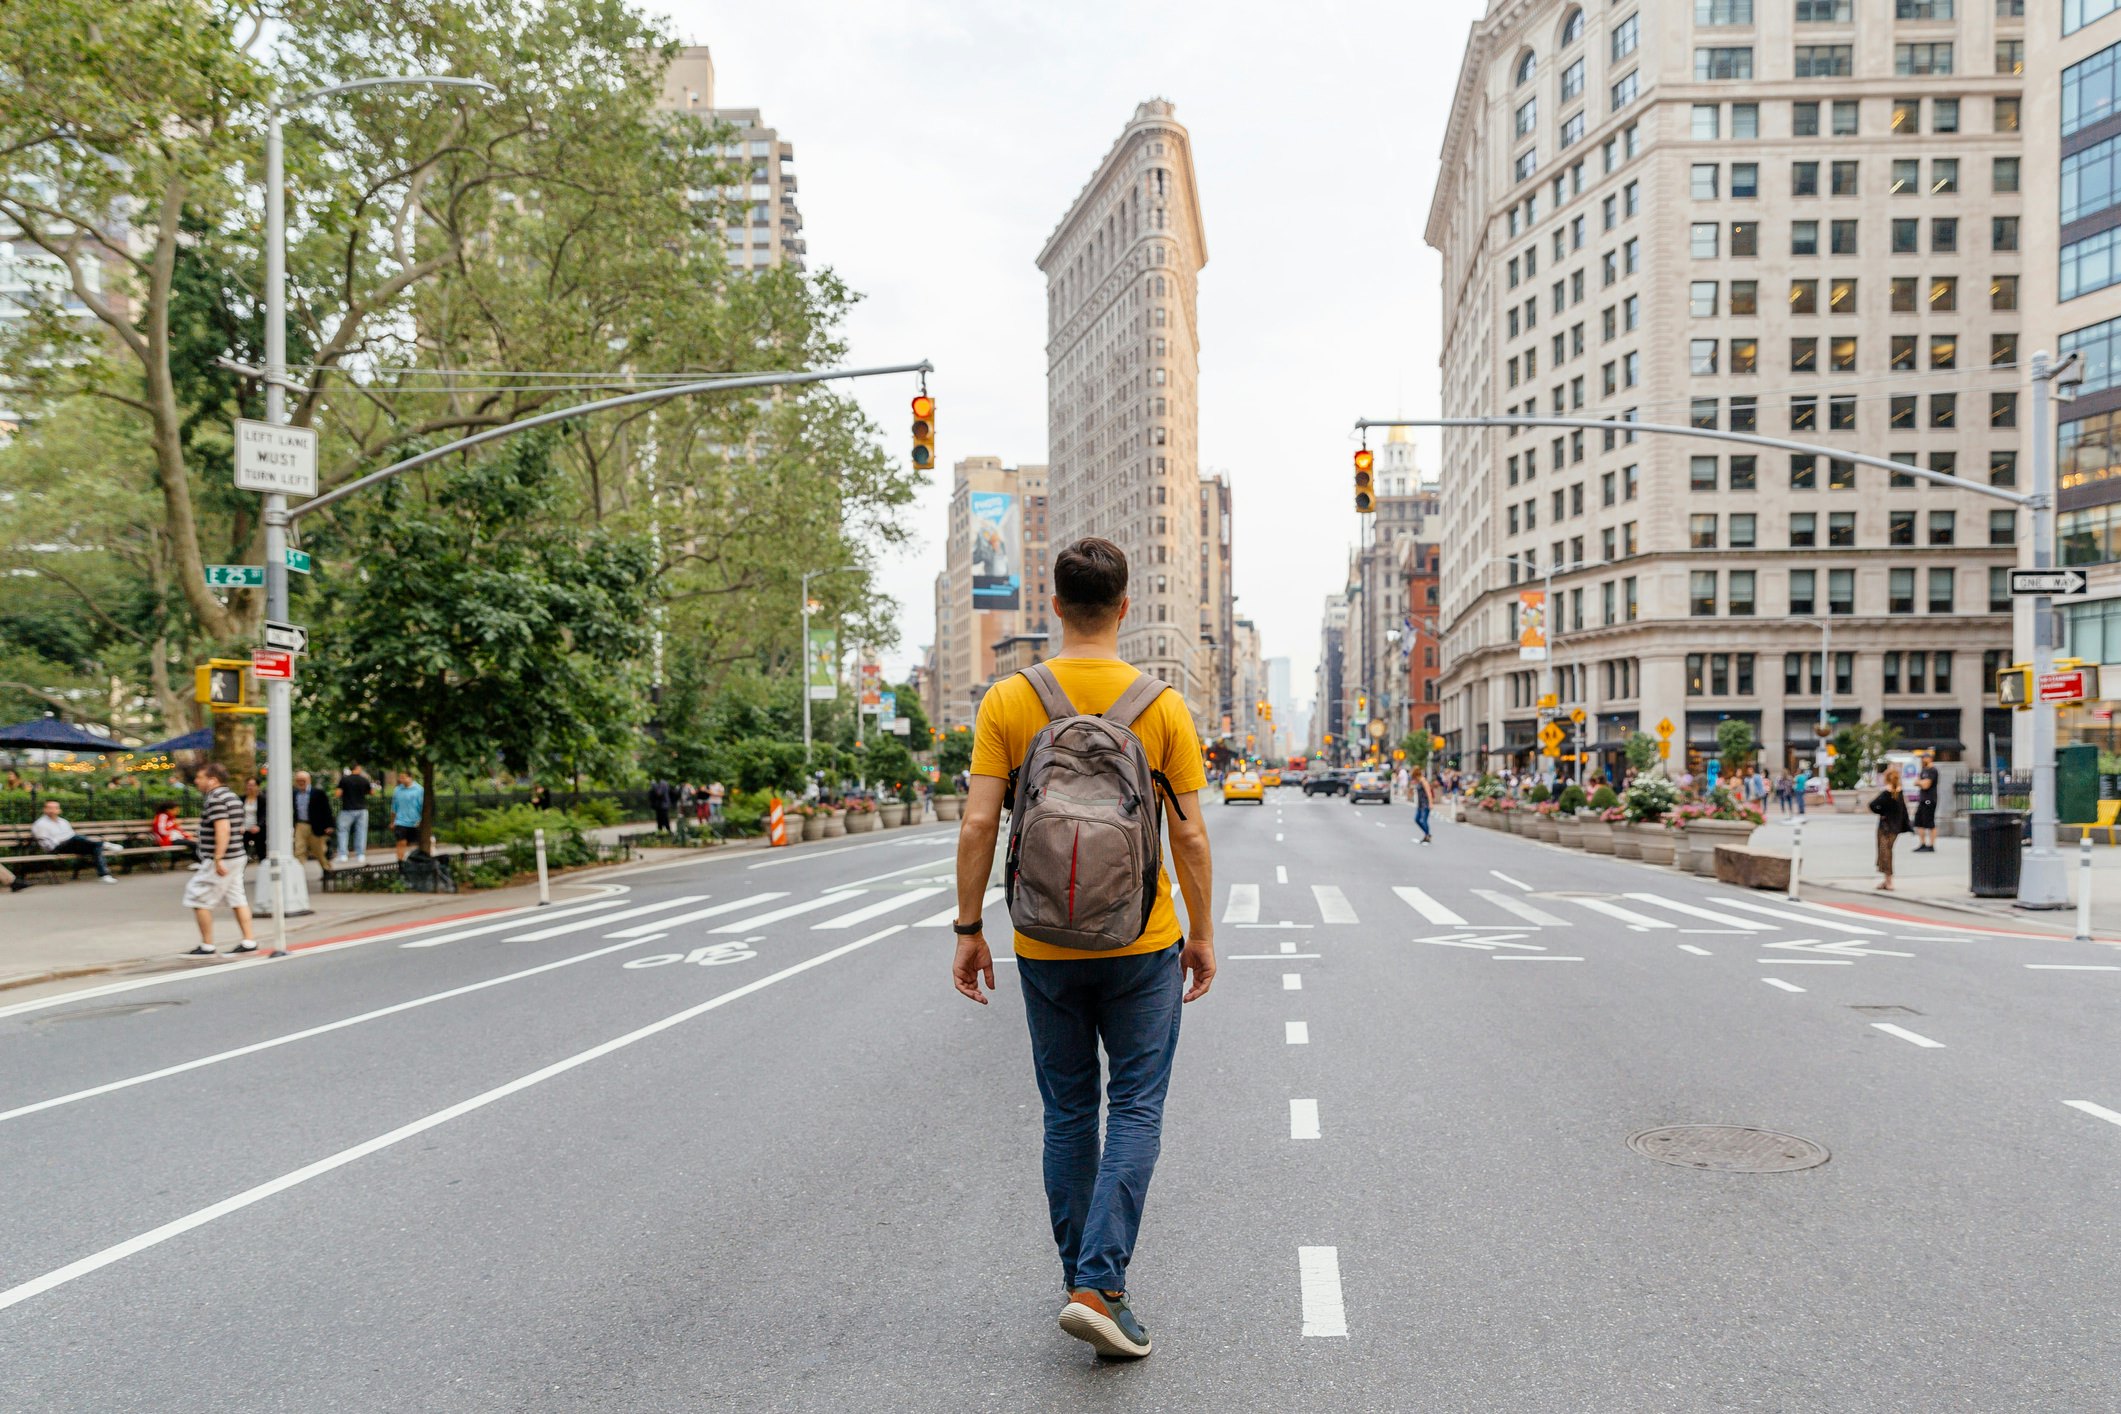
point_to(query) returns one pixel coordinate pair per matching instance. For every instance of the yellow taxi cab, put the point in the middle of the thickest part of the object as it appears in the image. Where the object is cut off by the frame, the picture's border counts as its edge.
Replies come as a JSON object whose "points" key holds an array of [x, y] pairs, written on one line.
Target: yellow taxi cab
{"points": [[1270, 777], [1243, 785]]}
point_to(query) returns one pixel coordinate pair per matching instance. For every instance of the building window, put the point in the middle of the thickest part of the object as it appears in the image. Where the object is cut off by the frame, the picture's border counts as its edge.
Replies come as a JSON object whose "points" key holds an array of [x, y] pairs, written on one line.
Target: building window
{"points": [[1723, 12], [1823, 61], [1706, 122], [1826, 12], [1804, 179], [1745, 238], [1739, 600], [2090, 264], [1922, 9], [1922, 60], [1942, 581], [2076, 14], [2010, 56], [1727, 63], [1623, 92], [1745, 297], [1744, 474], [1701, 357], [2088, 90], [2099, 343], [1745, 120], [1900, 591], [1701, 529], [1572, 81], [1625, 36], [1900, 528], [1804, 472], [1745, 180], [2089, 180], [1803, 591], [1701, 474], [1841, 591]]}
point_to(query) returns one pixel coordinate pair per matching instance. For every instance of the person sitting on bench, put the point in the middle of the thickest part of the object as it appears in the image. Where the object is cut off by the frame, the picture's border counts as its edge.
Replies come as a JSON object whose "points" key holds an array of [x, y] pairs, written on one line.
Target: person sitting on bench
{"points": [[168, 829], [55, 836]]}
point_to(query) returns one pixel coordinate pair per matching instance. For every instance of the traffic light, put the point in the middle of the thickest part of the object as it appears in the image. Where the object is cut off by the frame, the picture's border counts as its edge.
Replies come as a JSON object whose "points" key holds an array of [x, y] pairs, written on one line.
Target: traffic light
{"points": [[1365, 502], [1362, 705], [923, 433], [2014, 685], [221, 685]]}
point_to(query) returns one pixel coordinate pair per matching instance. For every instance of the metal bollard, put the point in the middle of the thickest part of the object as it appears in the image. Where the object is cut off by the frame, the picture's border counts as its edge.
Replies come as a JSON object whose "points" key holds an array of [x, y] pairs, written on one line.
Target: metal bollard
{"points": [[2084, 888], [544, 883], [1796, 857]]}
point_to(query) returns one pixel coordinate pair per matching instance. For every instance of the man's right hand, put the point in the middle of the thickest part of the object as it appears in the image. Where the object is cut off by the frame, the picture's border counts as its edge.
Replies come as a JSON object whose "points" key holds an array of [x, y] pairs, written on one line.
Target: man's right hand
{"points": [[973, 962], [221, 867]]}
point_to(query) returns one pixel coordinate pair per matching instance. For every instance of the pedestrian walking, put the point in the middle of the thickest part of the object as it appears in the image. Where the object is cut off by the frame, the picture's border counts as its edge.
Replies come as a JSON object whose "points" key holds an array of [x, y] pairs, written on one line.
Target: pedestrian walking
{"points": [[354, 790], [1802, 786], [1891, 809], [541, 797], [217, 878], [1926, 809], [660, 798], [1125, 989], [314, 822], [1420, 788], [55, 834], [253, 820], [407, 804], [711, 803]]}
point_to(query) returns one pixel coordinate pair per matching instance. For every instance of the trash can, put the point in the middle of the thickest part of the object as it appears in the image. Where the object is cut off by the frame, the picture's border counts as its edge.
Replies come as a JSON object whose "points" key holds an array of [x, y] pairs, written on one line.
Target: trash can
{"points": [[1996, 851]]}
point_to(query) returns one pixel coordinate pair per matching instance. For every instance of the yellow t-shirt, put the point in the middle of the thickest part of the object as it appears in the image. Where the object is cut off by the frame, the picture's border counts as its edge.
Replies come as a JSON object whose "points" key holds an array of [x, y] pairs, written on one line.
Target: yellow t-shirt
{"points": [[1010, 715]]}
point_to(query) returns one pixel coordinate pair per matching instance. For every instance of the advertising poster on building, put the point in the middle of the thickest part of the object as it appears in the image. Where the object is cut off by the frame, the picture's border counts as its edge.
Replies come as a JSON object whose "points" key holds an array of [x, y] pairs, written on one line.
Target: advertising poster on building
{"points": [[997, 532], [822, 664], [1531, 625]]}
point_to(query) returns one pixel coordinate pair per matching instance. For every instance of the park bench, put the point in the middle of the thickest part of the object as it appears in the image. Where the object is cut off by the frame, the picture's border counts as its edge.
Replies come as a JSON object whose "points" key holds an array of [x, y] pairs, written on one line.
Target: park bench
{"points": [[128, 842], [1751, 868]]}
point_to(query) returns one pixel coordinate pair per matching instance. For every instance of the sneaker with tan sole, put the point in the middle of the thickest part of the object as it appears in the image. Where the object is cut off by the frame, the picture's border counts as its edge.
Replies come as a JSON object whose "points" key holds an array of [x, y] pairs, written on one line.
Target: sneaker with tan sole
{"points": [[1106, 1321]]}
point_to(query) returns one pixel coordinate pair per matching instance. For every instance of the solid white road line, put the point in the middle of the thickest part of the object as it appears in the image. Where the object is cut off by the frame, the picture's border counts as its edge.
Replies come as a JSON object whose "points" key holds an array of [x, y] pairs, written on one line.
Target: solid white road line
{"points": [[1906, 1035], [1281, 873], [1296, 1033], [1243, 904], [1292, 981], [1429, 908], [604, 919], [1513, 883], [1318, 1272], [37, 1286], [2096, 1111], [949, 915], [1638, 921], [758, 920], [2072, 967], [1808, 919], [1698, 952], [1784, 986], [1333, 905], [1303, 1119], [1520, 957], [663, 925], [1743, 924], [1267, 956], [889, 903], [435, 940], [340, 1025], [1525, 911], [1804, 961]]}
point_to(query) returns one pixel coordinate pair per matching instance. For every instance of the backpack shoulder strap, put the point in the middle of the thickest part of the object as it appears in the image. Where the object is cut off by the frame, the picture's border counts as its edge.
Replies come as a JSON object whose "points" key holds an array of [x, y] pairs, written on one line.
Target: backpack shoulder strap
{"points": [[1129, 705], [1051, 695]]}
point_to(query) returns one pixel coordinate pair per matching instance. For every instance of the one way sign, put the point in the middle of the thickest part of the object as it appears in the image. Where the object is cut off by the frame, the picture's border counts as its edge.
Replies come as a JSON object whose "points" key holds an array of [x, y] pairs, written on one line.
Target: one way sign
{"points": [[2049, 581], [286, 638]]}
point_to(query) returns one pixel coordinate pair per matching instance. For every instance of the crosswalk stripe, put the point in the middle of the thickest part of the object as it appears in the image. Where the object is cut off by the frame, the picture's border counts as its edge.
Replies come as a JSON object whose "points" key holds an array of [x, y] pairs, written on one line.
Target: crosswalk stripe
{"points": [[1333, 905], [1523, 910], [1626, 915], [1729, 919], [1807, 919], [600, 920], [660, 925], [949, 915], [760, 920], [435, 940], [1243, 906], [890, 903], [1429, 908]]}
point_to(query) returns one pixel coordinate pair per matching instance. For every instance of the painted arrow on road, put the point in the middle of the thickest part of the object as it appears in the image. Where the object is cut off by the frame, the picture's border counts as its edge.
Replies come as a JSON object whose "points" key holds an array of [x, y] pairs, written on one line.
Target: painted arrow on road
{"points": [[1837, 948], [1485, 944]]}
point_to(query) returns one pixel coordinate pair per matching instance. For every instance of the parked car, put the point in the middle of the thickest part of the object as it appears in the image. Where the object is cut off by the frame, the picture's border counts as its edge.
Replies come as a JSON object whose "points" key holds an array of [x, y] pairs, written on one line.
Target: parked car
{"points": [[1370, 785], [1325, 783]]}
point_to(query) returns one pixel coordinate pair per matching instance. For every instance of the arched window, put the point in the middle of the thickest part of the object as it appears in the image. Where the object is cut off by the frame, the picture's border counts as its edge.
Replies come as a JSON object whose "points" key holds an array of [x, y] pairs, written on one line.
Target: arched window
{"points": [[1572, 28], [1526, 67]]}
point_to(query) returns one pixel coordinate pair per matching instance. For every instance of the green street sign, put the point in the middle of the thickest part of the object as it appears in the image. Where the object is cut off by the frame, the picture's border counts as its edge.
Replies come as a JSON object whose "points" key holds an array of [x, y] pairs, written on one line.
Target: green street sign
{"points": [[297, 560], [235, 576]]}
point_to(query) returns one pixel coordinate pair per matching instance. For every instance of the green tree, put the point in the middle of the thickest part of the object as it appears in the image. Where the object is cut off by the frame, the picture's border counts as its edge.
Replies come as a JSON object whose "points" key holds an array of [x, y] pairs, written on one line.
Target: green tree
{"points": [[953, 755], [1641, 750], [1416, 745], [1734, 744]]}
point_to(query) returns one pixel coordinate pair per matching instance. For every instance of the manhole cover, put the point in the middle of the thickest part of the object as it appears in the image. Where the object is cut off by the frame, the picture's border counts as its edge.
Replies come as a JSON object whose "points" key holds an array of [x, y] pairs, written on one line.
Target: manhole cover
{"points": [[1728, 1148], [1886, 1010], [97, 1013]]}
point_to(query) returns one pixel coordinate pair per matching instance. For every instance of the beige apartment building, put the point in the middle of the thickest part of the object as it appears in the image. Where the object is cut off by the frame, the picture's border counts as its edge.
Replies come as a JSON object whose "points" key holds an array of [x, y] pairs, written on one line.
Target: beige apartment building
{"points": [[768, 230], [1122, 369], [1800, 218], [1218, 603]]}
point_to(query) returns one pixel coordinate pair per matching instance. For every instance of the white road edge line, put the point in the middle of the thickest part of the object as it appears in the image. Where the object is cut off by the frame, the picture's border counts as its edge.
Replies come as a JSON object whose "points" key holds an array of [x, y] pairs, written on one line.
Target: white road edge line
{"points": [[1906, 1035], [1303, 1119], [1318, 1273], [2095, 1111], [37, 1286], [1785, 986]]}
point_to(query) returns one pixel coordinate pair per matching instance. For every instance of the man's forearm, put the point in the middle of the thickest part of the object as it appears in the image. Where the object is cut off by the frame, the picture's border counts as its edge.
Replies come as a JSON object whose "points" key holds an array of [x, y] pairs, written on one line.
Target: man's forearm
{"points": [[975, 861], [1196, 880]]}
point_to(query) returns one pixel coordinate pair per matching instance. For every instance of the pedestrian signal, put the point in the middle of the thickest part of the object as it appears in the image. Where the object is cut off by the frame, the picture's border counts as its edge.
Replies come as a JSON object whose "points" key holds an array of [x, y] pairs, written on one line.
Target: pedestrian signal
{"points": [[923, 432], [223, 685], [1365, 502]]}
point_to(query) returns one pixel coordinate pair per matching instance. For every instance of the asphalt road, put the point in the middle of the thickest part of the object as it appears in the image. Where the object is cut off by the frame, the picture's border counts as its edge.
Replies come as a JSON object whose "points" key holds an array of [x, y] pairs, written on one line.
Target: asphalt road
{"points": [[517, 1163]]}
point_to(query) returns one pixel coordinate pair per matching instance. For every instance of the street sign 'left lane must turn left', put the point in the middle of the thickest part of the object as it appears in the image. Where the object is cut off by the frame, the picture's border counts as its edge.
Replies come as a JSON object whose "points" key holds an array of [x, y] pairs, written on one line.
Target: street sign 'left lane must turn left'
{"points": [[275, 459]]}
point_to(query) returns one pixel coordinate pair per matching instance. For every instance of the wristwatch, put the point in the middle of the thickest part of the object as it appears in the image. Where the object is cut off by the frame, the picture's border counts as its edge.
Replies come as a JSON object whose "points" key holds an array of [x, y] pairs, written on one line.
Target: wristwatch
{"points": [[966, 930]]}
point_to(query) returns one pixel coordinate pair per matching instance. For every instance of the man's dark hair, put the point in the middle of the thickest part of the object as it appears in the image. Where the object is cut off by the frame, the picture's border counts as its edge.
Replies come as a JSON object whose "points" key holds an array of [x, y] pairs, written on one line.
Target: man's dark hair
{"points": [[1090, 580], [213, 771]]}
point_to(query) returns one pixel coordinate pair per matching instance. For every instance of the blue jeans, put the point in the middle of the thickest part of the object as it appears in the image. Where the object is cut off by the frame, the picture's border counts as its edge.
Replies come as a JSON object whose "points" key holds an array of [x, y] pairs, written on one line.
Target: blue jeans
{"points": [[1132, 1005], [353, 832], [1421, 818]]}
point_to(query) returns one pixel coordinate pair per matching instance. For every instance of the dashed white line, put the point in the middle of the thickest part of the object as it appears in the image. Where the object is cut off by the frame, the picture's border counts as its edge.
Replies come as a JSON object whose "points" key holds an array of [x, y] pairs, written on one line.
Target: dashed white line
{"points": [[1318, 1272], [1904, 1034], [1804, 961], [1521, 957], [2095, 1111], [1513, 883], [1243, 906], [1288, 947], [1303, 1119], [579, 925], [1333, 905], [1296, 1033], [1290, 982], [1779, 983], [1698, 952], [1281, 873], [1277, 837]]}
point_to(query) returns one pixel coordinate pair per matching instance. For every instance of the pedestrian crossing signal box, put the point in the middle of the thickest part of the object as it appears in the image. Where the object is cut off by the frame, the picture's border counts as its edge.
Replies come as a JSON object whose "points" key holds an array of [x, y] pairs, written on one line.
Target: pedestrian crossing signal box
{"points": [[223, 686]]}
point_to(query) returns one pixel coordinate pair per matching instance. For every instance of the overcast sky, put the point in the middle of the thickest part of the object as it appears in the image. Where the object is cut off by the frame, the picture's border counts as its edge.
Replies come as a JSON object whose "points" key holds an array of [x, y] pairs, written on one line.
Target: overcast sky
{"points": [[938, 142]]}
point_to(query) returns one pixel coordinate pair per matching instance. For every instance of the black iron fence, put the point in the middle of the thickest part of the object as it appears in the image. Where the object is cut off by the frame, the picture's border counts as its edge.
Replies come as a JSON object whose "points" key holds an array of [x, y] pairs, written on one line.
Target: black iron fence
{"points": [[19, 807]]}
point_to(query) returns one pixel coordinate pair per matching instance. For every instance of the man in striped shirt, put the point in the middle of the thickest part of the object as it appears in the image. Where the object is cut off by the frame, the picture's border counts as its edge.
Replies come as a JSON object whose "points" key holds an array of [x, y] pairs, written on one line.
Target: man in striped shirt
{"points": [[217, 880]]}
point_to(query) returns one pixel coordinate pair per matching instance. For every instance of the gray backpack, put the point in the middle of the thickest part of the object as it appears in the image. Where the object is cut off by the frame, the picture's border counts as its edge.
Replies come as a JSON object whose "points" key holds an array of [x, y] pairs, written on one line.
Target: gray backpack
{"points": [[1086, 824]]}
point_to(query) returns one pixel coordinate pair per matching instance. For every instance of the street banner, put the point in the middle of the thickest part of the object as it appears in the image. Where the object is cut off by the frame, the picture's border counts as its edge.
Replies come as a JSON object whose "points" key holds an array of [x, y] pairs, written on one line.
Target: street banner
{"points": [[1531, 625], [822, 664], [997, 536], [887, 707], [872, 695]]}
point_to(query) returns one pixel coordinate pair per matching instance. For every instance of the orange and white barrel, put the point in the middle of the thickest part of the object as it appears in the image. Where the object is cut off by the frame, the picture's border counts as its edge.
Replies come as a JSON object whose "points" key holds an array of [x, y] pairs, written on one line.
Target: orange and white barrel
{"points": [[776, 824]]}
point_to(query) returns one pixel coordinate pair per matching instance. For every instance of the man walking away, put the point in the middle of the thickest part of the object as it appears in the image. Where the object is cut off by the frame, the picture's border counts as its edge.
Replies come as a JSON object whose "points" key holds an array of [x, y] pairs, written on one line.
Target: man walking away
{"points": [[407, 803], [1420, 788], [1123, 994], [354, 789], [1926, 809], [314, 823], [217, 879], [55, 836]]}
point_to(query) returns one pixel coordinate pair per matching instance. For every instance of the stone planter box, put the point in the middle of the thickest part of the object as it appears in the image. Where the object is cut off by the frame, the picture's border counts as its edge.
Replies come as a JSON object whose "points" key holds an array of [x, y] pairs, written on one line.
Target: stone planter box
{"points": [[892, 814], [1656, 842], [1845, 803], [1682, 851], [1627, 843], [1514, 822], [835, 825], [1544, 829], [1596, 836], [1568, 831], [946, 806], [813, 827], [861, 822], [1705, 835]]}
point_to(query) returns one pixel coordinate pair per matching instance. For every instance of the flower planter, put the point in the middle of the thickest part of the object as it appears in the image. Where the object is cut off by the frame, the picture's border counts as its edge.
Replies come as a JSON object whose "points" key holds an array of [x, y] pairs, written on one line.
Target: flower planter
{"points": [[1707, 834], [946, 806], [1568, 831], [893, 814], [813, 827], [861, 822], [1655, 842], [1627, 843], [1544, 829], [1682, 851], [835, 825], [1596, 836], [1845, 803]]}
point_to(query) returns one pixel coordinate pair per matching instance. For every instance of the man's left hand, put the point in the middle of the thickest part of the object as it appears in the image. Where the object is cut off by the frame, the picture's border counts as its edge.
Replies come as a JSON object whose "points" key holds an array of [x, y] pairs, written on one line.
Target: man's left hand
{"points": [[972, 963], [1198, 959]]}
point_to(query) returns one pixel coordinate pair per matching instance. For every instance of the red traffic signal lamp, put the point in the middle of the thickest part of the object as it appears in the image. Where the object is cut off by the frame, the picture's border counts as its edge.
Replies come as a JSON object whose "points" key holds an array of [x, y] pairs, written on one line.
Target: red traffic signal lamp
{"points": [[923, 432], [1365, 500]]}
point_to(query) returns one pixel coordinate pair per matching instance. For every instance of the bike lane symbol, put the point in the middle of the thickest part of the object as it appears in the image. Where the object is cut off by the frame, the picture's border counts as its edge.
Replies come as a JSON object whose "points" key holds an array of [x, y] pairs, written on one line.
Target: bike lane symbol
{"points": [[709, 955]]}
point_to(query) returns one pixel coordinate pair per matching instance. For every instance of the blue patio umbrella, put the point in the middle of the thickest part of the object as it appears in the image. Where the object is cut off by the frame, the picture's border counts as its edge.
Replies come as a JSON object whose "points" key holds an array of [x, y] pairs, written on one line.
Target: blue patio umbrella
{"points": [[200, 740], [51, 734]]}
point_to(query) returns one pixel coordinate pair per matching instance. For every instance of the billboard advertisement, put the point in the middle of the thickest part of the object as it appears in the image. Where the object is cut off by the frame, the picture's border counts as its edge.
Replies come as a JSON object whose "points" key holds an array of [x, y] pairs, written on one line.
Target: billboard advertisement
{"points": [[821, 657], [997, 535], [1531, 625]]}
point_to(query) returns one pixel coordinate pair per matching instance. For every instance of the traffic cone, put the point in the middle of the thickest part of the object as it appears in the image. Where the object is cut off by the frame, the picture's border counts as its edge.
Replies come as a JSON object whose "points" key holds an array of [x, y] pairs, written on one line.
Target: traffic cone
{"points": [[776, 824]]}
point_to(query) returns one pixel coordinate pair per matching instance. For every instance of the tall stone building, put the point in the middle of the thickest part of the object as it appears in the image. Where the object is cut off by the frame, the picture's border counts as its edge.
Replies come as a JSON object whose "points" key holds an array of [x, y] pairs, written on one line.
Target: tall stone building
{"points": [[1334, 692], [1796, 219], [1122, 365], [768, 229], [1218, 603]]}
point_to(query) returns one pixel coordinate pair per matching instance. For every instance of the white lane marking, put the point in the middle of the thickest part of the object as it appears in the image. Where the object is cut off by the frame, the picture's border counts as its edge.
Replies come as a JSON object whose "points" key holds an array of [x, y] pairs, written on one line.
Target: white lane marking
{"points": [[1267, 956], [1513, 883], [1698, 952], [1291, 947], [603, 919], [2071, 967], [894, 873], [1282, 926], [1520, 957], [1382, 825], [1804, 961], [1715, 932], [1429, 908], [1277, 837], [1523, 910], [1281, 873], [435, 940], [2095, 1111], [1743, 924], [1292, 981], [889, 903], [1243, 904], [1906, 1035], [1841, 947], [793, 910], [949, 915], [340, 1025], [1303, 1119], [664, 925], [1640, 922], [1779, 983], [1318, 1272], [1810, 920], [1333, 905], [118, 1252], [1467, 940], [807, 855], [1296, 1033]]}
